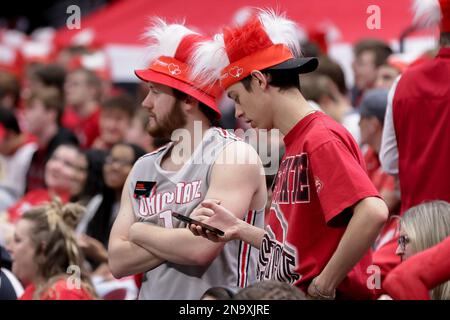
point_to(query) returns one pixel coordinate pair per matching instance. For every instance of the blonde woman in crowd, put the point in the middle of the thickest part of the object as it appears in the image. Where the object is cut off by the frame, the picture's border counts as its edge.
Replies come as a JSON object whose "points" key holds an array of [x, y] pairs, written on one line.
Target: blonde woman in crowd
{"points": [[45, 255], [423, 227]]}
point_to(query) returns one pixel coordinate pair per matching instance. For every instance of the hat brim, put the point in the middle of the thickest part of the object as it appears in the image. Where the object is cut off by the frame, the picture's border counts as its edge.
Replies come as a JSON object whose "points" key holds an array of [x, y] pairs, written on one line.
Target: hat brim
{"points": [[153, 76], [300, 65]]}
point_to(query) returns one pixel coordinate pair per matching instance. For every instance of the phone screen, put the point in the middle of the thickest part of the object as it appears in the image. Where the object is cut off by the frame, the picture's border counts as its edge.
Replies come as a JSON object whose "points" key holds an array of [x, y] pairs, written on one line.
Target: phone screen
{"points": [[203, 225]]}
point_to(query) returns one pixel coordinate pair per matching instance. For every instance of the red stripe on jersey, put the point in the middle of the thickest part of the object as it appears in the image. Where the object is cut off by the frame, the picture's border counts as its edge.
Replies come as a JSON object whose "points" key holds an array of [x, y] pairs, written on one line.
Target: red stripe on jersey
{"points": [[244, 254], [225, 133]]}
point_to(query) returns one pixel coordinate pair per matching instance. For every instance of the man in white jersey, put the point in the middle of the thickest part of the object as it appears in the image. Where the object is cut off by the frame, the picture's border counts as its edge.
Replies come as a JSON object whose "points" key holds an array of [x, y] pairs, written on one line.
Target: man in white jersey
{"points": [[176, 178]]}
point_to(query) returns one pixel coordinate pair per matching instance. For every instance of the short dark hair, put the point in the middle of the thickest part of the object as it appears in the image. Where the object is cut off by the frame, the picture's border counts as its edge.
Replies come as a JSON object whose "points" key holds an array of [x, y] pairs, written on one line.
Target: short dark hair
{"points": [[121, 102], [282, 79], [206, 110], [270, 290], [334, 71], [9, 121], [51, 75], [380, 49], [315, 86], [9, 85], [51, 99]]}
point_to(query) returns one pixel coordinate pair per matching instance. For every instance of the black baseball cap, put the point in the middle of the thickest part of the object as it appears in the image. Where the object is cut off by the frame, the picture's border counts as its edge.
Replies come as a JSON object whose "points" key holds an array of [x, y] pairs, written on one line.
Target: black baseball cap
{"points": [[301, 65]]}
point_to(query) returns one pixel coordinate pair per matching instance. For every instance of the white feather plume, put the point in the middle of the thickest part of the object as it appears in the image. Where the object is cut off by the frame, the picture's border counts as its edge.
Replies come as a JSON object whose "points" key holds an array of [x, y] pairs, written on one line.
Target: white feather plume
{"points": [[242, 15], [427, 13], [164, 38], [280, 30], [208, 59]]}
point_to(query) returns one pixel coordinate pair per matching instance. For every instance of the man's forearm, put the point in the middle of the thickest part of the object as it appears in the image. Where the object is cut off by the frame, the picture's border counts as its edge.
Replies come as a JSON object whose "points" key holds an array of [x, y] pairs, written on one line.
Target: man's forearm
{"points": [[360, 234], [250, 234], [176, 245], [127, 258]]}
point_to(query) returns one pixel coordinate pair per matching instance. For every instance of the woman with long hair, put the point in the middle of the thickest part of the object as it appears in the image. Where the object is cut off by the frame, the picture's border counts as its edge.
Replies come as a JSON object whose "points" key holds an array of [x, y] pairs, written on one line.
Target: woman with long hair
{"points": [[102, 210], [45, 255], [421, 228]]}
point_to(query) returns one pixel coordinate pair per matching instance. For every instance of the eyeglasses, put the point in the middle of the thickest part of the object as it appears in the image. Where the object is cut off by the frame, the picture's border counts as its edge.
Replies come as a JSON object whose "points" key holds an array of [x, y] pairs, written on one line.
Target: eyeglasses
{"points": [[403, 240], [121, 162]]}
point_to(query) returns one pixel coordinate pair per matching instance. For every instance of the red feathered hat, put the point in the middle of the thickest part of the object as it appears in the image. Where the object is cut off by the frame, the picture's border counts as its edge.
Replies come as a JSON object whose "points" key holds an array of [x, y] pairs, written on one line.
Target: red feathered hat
{"points": [[170, 51], [264, 41], [430, 13]]}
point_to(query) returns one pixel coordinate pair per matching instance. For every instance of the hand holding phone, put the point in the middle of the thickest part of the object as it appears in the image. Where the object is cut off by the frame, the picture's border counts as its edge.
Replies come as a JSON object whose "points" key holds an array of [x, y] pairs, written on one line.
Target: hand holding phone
{"points": [[196, 222]]}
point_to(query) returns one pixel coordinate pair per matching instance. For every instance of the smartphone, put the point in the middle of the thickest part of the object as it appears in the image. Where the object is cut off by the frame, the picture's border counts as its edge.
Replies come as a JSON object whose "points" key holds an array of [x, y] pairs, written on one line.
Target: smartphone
{"points": [[203, 225]]}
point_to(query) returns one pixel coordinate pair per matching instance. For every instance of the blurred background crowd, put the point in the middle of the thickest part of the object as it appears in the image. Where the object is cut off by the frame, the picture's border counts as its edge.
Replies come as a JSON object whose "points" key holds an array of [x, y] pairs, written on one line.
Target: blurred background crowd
{"points": [[71, 124]]}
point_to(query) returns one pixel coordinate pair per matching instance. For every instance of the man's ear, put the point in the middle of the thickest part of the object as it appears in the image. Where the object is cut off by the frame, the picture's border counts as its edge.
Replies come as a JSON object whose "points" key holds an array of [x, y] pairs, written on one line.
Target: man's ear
{"points": [[260, 79]]}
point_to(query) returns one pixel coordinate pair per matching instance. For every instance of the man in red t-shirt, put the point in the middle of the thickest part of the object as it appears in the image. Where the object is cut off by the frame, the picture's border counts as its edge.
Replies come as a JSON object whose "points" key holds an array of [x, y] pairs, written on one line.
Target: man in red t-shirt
{"points": [[325, 212], [372, 111], [83, 91], [416, 135]]}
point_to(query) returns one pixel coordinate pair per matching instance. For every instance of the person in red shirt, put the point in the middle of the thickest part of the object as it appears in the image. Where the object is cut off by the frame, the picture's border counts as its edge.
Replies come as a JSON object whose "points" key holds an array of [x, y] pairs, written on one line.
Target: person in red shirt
{"points": [[42, 115], [65, 177], [325, 212], [372, 111], [44, 249], [370, 55], [416, 134], [424, 245], [414, 278], [82, 92], [16, 151]]}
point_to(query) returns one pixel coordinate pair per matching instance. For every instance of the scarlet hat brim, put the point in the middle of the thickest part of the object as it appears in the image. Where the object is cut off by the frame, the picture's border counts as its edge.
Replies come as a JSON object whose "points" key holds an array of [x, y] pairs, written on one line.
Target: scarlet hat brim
{"points": [[157, 77]]}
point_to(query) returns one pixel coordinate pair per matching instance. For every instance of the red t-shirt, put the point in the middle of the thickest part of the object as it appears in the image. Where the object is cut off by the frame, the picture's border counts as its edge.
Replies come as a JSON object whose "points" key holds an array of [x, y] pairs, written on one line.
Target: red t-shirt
{"points": [[385, 245], [32, 199], [384, 255], [58, 291], [86, 129], [321, 175], [421, 114], [380, 179]]}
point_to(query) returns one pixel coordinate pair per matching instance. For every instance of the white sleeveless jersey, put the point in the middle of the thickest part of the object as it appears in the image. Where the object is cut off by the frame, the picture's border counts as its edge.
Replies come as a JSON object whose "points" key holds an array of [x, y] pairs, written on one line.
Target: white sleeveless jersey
{"points": [[156, 193]]}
